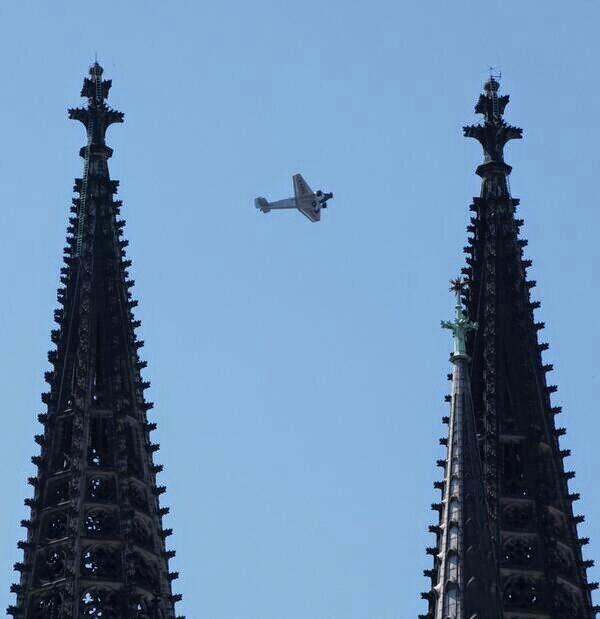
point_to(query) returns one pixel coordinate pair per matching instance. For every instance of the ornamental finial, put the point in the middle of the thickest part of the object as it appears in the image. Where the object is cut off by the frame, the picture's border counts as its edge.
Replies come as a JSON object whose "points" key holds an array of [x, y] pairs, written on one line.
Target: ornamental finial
{"points": [[457, 286], [97, 116], [495, 132], [95, 88], [461, 325], [493, 83]]}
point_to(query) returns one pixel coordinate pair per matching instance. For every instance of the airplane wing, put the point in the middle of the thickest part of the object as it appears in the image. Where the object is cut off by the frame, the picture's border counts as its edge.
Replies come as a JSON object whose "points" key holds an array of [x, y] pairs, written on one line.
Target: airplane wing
{"points": [[301, 188], [311, 212]]}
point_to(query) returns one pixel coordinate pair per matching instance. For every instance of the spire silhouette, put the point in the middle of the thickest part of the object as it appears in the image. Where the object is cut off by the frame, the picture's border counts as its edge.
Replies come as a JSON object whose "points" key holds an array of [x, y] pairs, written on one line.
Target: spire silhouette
{"points": [[511, 550], [95, 544]]}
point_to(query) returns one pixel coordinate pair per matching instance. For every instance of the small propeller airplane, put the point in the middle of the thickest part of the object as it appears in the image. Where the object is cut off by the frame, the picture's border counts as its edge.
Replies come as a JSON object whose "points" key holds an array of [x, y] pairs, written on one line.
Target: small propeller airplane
{"points": [[307, 201]]}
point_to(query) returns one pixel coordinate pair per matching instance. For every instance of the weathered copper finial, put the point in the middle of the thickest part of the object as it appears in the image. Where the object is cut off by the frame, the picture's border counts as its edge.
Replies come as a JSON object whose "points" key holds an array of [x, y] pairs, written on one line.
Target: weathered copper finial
{"points": [[461, 325]]}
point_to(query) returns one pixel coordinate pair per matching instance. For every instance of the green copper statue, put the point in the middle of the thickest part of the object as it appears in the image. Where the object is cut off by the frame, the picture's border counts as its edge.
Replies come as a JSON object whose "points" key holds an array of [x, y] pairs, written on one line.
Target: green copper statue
{"points": [[461, 325]]}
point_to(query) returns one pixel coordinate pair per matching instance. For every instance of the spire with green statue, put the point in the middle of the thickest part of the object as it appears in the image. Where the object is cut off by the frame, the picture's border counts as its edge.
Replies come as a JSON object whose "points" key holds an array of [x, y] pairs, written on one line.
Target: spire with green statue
{"points": [[461, 325]]}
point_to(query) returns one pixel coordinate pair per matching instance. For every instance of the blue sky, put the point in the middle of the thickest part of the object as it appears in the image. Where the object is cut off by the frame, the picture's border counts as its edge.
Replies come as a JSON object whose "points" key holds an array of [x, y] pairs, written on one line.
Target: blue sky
{"points": [[298, 370]]}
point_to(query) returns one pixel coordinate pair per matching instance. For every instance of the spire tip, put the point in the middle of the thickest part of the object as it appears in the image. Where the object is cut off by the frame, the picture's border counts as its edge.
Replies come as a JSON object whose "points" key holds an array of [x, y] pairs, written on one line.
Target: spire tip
{"points": [[493, 82], [96, 69]]}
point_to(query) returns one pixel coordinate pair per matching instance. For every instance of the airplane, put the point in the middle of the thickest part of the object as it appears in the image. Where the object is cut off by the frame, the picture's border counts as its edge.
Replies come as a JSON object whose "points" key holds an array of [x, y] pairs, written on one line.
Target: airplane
{"points": [[307, 201]]}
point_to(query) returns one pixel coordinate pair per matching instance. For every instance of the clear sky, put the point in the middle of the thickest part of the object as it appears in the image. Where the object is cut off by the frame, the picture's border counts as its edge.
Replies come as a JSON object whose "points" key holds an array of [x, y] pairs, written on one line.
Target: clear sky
{"points": [[298, 369]]}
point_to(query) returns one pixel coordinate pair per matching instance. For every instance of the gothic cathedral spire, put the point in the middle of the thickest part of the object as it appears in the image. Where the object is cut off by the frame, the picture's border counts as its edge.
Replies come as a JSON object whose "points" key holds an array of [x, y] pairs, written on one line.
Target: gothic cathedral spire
{"points": [[512, 551], [95, 544]]}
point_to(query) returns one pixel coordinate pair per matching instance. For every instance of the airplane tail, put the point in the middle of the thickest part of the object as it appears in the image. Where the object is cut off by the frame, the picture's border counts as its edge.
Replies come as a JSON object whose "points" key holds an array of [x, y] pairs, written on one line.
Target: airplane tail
{"points": [[262, 204]]}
